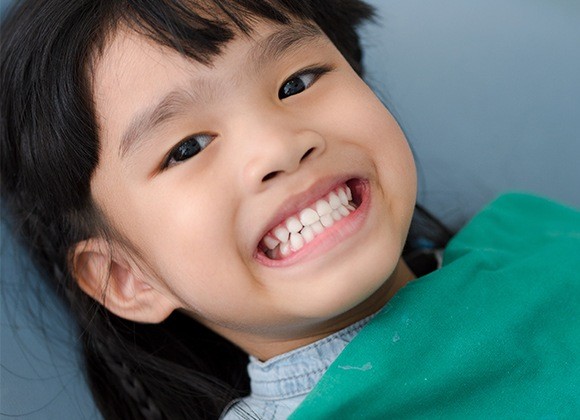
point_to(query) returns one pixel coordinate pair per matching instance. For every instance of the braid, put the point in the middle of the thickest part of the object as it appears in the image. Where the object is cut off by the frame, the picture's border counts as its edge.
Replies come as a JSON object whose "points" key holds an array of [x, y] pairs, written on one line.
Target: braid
{"points": [[140, 371], [129, 382]]}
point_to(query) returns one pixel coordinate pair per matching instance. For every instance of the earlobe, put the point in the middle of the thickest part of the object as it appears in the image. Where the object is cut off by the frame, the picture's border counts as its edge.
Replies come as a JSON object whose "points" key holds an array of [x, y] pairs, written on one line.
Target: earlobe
{"points": [[108, 277]]}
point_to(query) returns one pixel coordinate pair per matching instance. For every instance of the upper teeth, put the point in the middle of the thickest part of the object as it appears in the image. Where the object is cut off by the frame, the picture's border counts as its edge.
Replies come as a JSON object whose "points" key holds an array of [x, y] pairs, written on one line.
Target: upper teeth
{"points": [[297, 230]]}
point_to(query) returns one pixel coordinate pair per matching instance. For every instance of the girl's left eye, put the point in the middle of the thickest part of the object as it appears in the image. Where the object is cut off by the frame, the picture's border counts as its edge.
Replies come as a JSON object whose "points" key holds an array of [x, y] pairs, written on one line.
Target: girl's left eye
{"points": [[301, 81]]}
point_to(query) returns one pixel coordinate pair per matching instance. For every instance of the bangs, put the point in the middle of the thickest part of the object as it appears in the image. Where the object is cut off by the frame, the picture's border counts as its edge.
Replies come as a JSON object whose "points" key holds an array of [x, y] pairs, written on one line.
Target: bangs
{"points": [[199, 29]]}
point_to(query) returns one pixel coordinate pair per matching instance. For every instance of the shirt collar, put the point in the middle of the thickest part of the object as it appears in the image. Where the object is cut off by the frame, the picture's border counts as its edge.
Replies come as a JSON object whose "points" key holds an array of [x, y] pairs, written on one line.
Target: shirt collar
{"points": [[298, 371]]}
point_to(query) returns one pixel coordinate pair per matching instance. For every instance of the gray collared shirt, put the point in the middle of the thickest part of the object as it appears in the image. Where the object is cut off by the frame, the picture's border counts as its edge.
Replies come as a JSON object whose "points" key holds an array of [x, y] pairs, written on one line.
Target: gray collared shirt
{"points": [[280, 384]]}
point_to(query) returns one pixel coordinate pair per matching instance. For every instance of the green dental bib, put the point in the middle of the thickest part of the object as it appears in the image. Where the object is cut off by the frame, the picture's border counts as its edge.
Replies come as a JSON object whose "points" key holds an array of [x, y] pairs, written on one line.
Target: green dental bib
{"points": [[494, 333]]}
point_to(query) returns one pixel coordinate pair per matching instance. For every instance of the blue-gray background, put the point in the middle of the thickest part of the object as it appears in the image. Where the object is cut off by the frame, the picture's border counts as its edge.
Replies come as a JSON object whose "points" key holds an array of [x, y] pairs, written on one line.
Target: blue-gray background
{"points": [[488, 93]]}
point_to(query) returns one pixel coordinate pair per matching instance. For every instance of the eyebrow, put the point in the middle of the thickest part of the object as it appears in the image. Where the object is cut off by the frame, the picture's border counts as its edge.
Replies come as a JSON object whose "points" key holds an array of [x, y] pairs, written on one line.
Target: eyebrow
{"points": [[176, 102], [281, 42]]}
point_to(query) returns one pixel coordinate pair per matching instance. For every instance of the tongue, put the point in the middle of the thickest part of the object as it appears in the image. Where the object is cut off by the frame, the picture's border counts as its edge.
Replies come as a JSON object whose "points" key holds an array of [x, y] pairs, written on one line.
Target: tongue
{"points": [[274, 254]]}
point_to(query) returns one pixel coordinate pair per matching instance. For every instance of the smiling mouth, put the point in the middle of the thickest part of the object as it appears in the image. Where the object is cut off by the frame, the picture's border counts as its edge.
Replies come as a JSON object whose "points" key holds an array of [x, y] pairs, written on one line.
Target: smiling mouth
{"points": [[313, 221]]}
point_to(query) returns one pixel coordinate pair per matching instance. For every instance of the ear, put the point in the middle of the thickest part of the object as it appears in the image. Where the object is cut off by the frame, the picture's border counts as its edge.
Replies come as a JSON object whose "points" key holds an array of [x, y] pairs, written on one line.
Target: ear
{"points": [[105, 273]]}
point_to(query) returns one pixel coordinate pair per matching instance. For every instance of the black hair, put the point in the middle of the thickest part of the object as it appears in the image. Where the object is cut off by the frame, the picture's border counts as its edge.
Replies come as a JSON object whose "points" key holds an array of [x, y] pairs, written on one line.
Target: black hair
{"points": [[50, 149]]}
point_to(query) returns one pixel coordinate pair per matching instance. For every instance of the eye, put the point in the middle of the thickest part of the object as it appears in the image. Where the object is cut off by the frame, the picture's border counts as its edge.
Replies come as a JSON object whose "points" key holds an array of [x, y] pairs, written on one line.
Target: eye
{"points": [[187, 148], [301, 81]]}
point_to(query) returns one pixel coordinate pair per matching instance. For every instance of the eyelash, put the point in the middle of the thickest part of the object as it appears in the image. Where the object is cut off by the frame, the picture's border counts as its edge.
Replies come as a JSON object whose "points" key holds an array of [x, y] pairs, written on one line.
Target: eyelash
{"points": [[200, 141], [197, 141], [314, 72]]}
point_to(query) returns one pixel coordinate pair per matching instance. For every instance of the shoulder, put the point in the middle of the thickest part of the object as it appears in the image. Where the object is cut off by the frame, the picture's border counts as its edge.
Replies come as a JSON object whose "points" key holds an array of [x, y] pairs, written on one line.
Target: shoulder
{"points": [[492, 329], [517, 225]]}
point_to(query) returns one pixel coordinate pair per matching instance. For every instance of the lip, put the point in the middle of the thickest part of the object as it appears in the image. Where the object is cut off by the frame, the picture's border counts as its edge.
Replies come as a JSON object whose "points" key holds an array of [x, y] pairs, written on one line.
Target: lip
{"points": [[321, 244], [297, 202]]}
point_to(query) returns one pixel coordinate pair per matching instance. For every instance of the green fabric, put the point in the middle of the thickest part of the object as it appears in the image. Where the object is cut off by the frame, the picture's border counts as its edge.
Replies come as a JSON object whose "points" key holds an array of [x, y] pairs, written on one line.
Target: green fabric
{"points": [[493, 334]]}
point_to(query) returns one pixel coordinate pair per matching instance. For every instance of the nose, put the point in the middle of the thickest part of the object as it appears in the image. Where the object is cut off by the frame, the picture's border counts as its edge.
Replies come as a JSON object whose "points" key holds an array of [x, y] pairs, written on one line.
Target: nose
{"points": [[276, 151]]}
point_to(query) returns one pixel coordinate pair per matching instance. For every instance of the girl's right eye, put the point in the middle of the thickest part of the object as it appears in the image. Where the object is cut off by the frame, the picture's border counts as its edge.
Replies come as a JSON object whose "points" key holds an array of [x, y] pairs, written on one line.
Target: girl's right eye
{"points": [[187, 148]]}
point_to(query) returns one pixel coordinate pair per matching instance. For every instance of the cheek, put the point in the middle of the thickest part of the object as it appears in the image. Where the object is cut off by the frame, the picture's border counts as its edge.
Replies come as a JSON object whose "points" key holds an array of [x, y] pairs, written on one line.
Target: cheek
{"points": [[193, 259], [360, 118], [377, 132], [179, 229], [185, 229], [192, 247]]}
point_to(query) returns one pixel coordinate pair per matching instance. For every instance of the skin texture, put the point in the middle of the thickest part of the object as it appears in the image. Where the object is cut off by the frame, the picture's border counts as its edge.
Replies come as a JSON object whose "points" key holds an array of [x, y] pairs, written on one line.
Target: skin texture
{"points": [[192, 228]]}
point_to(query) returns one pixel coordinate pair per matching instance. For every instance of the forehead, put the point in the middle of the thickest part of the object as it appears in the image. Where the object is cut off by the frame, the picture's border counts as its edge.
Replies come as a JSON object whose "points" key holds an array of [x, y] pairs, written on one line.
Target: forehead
{"points": [[141, 82], [130, 53]]}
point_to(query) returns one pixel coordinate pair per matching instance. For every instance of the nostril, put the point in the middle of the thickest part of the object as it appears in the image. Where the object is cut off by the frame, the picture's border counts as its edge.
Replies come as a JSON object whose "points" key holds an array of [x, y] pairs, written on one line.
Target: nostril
{"points": [[273, 174], [270, 176], [308, 153]]}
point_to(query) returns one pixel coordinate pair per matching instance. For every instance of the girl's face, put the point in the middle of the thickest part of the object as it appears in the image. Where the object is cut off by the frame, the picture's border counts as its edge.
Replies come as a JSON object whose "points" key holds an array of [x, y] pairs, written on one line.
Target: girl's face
{"points": [[204, 169]]}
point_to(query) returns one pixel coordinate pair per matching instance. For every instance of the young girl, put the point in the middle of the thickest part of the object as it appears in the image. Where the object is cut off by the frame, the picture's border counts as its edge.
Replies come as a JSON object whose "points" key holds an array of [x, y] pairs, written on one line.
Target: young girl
{"points": [[203, 180]]}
